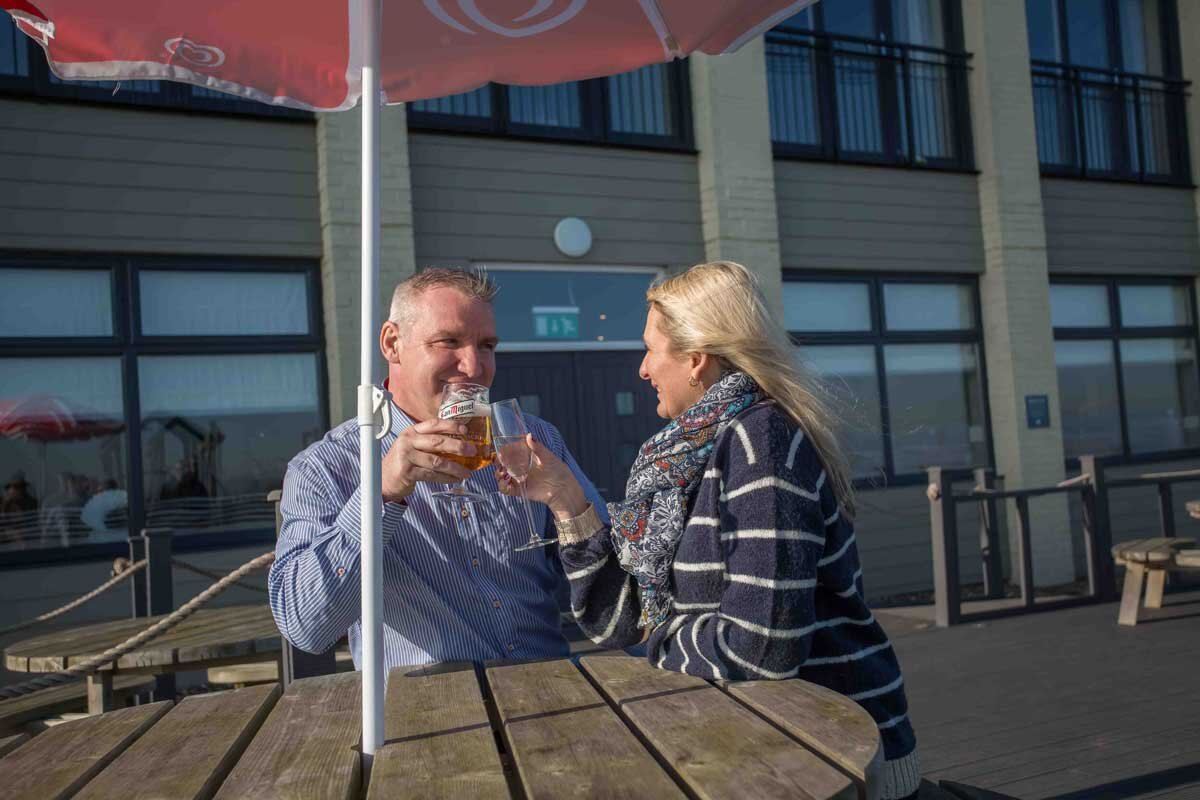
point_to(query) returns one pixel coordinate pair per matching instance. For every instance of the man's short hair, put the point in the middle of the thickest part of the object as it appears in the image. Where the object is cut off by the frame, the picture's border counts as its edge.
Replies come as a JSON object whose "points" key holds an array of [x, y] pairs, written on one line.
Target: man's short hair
{"points": [[473, 283]]}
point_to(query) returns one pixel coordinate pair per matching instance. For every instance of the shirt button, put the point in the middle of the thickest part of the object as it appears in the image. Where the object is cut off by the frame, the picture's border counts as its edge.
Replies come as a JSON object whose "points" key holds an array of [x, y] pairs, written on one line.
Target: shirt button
{"points": [[511, 647], [465, 513], [495, 604], [341, 571], [474, 562]]}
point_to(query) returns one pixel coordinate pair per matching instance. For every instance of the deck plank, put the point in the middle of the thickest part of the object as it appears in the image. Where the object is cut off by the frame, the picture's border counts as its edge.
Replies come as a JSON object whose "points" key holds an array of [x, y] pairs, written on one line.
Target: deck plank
{"points": [[717, 746], [61, 761], [440, 743], [565, 739], [188, 753], [308, 747]]}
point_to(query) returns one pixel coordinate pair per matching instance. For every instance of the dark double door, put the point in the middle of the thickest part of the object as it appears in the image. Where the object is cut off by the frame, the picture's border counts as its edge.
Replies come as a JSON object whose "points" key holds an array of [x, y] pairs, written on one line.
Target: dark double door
{"points": [[595, 399]]}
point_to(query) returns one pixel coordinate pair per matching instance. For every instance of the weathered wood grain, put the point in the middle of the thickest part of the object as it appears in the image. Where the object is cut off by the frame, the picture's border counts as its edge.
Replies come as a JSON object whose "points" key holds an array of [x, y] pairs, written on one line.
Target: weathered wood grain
{"points": [[57, 699], [718, 747], [59, 762], [188, 753], [308, 747], [440, 742], [835, 727], [10, 743], [566, 741]]}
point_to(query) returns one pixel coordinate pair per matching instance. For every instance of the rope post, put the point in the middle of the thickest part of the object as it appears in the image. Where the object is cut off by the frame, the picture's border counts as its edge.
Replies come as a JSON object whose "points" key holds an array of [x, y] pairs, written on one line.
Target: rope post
{"points": [[159, 592], [943, 522], [137, 584]]}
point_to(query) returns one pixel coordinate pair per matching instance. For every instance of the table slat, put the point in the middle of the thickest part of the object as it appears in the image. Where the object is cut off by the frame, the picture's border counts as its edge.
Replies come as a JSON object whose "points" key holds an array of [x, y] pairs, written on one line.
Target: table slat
{"points": [[718, 747], [60, 761], [66, 697], [440, 742], [189, 751], [10, 743], [566, 741], [839, 729], [308, 747]]}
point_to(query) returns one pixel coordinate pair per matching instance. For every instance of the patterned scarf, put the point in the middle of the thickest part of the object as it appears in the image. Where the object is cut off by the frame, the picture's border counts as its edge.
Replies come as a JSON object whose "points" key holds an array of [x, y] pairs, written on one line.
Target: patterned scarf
{"points": [[648, 523]]}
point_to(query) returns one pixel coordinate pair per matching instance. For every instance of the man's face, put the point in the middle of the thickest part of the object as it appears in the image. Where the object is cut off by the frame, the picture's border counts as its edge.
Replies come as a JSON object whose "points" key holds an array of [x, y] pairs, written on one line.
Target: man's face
{"points": [[451, 339]]}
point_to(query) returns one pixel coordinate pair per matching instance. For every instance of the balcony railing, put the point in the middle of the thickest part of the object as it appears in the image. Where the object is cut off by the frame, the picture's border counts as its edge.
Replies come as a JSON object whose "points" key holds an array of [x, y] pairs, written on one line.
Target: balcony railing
{"points": [[1097, 123], [842, 98]]}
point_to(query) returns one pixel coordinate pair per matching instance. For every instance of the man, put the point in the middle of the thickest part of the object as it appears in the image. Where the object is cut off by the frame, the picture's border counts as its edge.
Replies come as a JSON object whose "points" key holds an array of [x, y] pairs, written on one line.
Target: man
{"points": [[454, 587]]}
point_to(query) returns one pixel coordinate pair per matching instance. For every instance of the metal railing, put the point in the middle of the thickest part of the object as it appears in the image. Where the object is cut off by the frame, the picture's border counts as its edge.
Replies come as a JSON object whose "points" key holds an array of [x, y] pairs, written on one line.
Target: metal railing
{"points": [[843, 98], [1104, 123]]}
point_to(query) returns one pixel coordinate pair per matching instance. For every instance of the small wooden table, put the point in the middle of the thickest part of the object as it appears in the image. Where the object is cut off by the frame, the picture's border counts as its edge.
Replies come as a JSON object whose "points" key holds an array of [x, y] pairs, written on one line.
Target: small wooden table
{"points": [[610, 726], [211, 637]]}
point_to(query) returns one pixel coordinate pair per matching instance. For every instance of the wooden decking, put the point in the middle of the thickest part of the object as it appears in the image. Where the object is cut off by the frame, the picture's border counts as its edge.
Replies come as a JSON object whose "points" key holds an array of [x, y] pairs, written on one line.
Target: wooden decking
{"points": [[1064, 704]]}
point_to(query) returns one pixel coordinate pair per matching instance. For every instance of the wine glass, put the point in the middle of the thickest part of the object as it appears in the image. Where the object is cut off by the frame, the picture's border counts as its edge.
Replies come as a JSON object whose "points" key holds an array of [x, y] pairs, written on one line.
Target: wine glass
{"points": [[467, 403], [512, 450]]}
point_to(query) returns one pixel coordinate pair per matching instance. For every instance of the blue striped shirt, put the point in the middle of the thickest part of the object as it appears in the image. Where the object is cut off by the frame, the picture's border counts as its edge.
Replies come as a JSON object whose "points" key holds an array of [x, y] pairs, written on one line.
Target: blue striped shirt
{"points": [[453, 587]]}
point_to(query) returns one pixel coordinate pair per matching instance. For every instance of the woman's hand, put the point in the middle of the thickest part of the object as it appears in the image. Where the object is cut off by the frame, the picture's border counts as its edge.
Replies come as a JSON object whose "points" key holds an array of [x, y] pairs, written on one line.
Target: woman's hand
{"points": [[549, 481]]}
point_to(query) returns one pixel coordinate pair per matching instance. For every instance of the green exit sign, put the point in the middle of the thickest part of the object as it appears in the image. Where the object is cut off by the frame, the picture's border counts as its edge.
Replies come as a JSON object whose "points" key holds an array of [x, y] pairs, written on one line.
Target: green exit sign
{"points": [[556, 322]]}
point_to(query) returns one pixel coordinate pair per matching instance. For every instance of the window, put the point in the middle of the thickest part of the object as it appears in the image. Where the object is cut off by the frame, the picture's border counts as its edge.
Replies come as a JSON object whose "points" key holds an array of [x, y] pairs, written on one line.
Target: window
{"points": [[1108, 97], [560, 309], [215, 366], [23, 72], [1128, 380], [648, 107], [873, 81], [901, 363]]}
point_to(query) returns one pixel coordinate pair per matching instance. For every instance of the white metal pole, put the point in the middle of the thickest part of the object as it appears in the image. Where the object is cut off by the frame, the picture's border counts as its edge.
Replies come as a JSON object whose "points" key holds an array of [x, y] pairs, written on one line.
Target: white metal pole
{"points": [[369, 454]]}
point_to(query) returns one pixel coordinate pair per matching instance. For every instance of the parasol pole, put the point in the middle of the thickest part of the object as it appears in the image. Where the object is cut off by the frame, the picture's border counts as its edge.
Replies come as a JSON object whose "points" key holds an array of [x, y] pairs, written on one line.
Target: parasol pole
{"points": [[370, 399]]}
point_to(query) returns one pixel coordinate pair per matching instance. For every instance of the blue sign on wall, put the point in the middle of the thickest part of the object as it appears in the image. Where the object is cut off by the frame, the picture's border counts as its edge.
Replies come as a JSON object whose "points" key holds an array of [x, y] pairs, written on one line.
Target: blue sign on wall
{"points": [[1037, 411]]}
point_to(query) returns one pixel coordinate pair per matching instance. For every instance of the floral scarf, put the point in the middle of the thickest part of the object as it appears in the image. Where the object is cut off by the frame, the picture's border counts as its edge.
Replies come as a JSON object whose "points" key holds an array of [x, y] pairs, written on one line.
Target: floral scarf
{"points": [[648, 523]]}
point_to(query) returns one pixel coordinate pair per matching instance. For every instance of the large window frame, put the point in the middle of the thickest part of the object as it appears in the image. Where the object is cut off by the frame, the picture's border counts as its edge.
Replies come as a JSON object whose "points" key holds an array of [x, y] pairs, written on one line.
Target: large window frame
{"points": [[1116, 332], [879, 337], [167, 95], [1081, 83], [895, 96], [595, 125], [128, 344]]}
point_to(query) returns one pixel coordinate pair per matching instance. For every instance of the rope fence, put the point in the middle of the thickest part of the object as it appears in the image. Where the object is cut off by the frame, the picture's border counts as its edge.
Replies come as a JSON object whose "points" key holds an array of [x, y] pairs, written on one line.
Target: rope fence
{"points": [[124, 571], [92, 665]]}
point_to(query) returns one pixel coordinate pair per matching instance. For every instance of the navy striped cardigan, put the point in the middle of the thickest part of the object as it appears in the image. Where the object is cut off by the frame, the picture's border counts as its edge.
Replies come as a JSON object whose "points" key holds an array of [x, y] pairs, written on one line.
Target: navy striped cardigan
{"points": [[767, 585]]}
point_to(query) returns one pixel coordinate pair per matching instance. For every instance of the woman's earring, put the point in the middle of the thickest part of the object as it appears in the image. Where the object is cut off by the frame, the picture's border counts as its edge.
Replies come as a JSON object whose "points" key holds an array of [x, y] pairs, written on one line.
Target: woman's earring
{"points": [[692, 381]]}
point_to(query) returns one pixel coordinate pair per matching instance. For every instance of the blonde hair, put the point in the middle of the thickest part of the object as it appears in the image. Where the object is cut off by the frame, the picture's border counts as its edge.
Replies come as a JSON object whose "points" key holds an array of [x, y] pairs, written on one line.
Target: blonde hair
{"points": [[718, 308], [473, 283]]}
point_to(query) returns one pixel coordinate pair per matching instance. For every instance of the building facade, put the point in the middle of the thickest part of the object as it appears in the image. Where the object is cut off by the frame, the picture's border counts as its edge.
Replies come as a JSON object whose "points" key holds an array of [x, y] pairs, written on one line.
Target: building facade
{"points": [[978, 219]]}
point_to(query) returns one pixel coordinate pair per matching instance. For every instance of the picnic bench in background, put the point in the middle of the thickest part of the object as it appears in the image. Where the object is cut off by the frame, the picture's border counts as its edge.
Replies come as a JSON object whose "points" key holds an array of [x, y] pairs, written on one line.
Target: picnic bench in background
{"points": [[1147, 562], [16, 712], [611, 726]]}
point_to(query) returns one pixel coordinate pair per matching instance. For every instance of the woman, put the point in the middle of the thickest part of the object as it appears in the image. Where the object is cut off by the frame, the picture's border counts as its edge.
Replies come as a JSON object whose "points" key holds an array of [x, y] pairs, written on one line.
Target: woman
{"points": [[732, 555]]}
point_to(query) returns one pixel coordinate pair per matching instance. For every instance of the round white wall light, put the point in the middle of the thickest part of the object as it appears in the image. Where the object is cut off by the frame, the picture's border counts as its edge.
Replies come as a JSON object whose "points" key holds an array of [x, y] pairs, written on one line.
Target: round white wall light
{"points": [[573, 237]]}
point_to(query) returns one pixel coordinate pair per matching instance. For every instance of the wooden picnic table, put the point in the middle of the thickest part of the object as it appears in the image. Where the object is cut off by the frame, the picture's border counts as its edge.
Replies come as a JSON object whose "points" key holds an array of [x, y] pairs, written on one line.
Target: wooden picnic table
{"points": [[608, 726], [211, 637]]}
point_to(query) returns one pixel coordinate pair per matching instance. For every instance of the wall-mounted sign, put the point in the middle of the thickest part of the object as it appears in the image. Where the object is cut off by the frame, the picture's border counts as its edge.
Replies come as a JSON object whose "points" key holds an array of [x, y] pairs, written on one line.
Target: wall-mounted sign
{"points": [[1037, 411], [555, 322]]}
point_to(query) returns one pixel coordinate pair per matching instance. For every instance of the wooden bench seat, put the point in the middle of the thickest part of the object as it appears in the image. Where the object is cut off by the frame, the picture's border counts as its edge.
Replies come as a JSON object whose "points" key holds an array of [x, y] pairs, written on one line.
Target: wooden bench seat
{"points": [[59, 699], [1147, 561], [240, 675]]}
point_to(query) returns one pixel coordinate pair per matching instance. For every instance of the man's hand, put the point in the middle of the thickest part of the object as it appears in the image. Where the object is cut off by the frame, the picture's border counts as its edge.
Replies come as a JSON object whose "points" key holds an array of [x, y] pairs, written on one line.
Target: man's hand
{"points": [[419, 454]]}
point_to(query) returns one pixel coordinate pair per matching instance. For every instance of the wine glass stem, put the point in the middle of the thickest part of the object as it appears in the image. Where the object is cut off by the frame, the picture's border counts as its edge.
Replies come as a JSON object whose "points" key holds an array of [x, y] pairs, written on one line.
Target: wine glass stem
{"points": [[533, 537]]}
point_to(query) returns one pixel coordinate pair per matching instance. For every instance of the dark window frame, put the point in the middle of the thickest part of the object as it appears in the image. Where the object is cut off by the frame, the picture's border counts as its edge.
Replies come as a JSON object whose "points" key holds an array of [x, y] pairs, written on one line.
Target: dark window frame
{"points": [[1114, 333], [879, 337], [171, 95], [127, 345], [1076, 78], [595, 128], [826, 45]]}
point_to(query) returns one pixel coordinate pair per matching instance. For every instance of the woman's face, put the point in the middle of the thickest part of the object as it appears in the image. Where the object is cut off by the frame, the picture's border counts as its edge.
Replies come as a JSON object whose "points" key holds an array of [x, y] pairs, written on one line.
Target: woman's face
{"points": [[667, 371]]}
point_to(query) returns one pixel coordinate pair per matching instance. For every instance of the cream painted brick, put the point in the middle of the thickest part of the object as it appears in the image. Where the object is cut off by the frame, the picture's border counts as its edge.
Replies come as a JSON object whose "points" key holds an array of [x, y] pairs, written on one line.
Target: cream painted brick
{"points": [[339, 164], [1014, 290], [736, 165]]}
